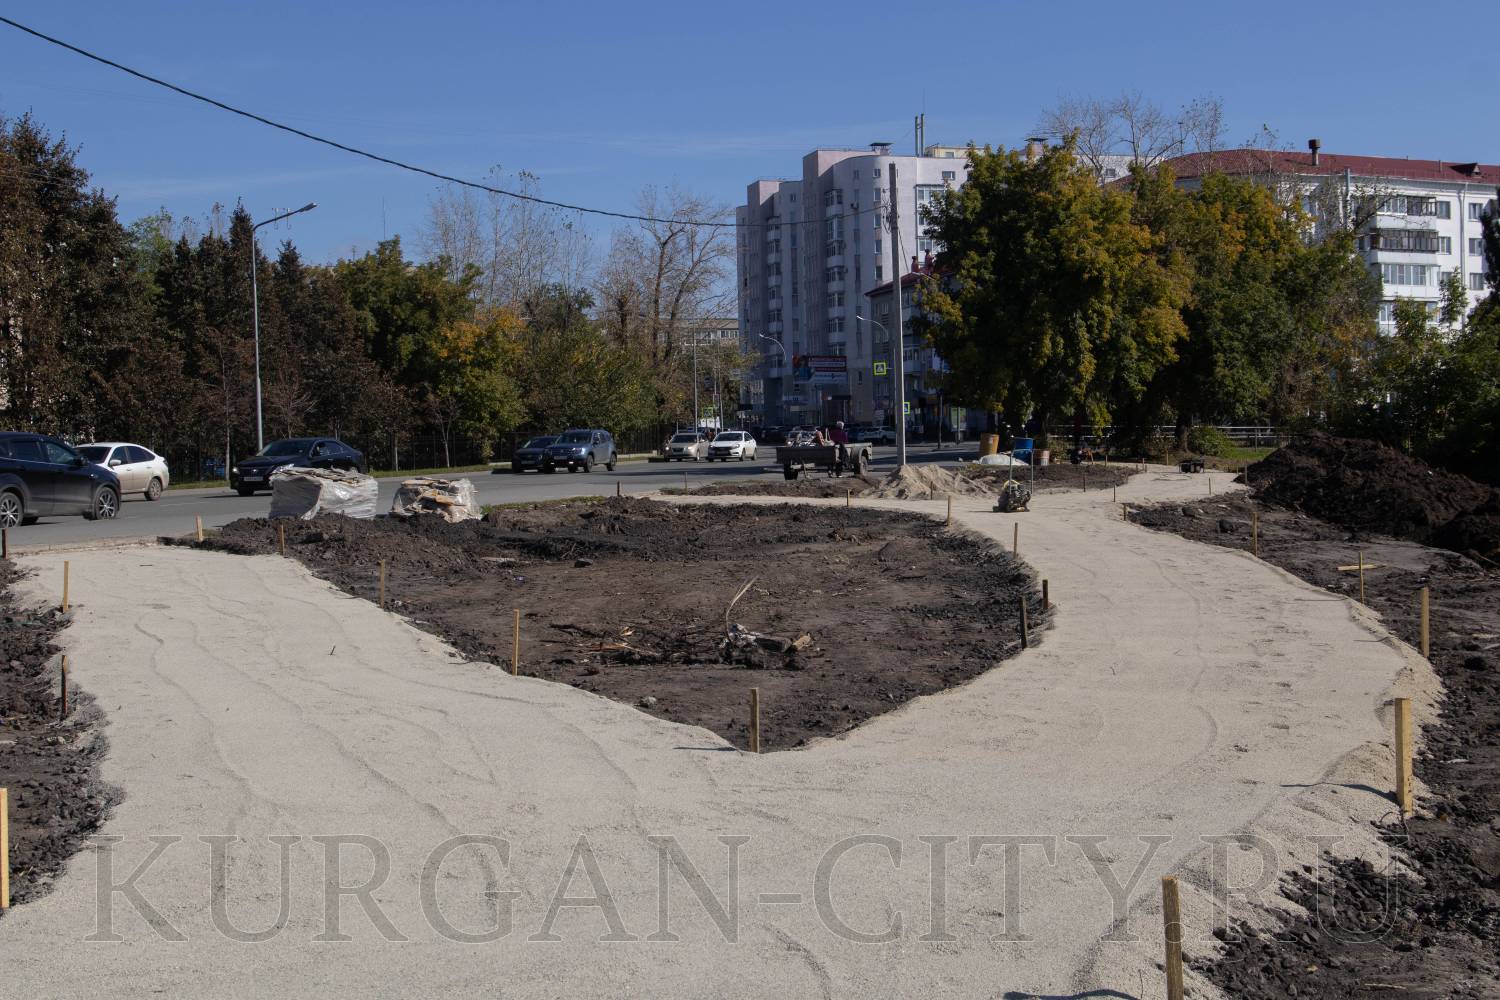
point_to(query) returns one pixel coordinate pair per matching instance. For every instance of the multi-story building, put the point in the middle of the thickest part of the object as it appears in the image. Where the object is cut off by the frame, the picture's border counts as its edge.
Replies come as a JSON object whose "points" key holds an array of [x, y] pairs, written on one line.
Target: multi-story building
{"points": [[1419, 219], [809, 250]]}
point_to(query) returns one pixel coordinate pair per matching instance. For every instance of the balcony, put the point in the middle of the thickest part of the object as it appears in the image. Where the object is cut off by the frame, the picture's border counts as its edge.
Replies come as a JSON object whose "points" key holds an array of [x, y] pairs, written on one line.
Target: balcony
{"points": [[836, 312], [773, 280], [834, 210], [834, 285], [774, 327], [773, 257], [837, 337]]}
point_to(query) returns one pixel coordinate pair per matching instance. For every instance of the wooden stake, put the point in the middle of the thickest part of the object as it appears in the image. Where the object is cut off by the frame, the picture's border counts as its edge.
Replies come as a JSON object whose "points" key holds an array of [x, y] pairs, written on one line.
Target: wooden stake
{"points": [[1255, 533], [4, 848], [1171, 915], [848, 499], [1424, 621], [1085, 479], [618, 491], [1024, 623], [62, 709], [65, 586], [950, 509], [4, 543], [1046, 598], [198, 520], [1015, 539], [1210, 479], [515, 646], [1124, 511], [1403, 756], [755, 720], [684, 481], [382, 583], [1361, 565], [281, 537], [1114, 494]]}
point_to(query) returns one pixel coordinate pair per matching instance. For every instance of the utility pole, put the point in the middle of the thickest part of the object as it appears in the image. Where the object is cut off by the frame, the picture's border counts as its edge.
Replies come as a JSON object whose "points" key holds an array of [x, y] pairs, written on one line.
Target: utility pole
{"points": [[695, 382], [898, 351], [260, 434]]}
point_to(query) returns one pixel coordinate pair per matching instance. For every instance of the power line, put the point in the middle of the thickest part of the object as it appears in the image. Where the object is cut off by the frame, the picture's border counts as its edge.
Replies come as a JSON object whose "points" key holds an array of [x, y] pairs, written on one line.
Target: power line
{"points": [[378, 158]]}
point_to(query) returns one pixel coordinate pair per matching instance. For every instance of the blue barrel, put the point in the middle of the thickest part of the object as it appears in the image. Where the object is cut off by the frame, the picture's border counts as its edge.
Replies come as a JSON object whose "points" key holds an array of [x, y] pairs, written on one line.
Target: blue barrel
{"points": [[1021, 448]]}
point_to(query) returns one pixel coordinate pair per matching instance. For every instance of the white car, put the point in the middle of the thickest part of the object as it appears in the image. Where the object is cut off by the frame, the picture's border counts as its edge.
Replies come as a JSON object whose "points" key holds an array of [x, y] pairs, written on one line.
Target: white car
{"points": [[731, 444], [686, 445], [141, 470]]}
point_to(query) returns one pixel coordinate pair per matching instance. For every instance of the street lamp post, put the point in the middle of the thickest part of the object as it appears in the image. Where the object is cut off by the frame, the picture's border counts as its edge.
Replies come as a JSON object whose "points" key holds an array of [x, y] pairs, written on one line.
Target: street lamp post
{"points": [[784, 364], [883, 331], [260, 436]]}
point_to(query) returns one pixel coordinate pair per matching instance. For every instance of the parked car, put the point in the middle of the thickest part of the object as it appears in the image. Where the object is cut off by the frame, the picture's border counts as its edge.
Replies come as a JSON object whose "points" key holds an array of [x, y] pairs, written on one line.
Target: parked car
{"points": [[772, 435], [532, 454], [139, 469], [581, 448], [251, 474], [881, 435], [40, 475], [686, 445], [732, 444]]}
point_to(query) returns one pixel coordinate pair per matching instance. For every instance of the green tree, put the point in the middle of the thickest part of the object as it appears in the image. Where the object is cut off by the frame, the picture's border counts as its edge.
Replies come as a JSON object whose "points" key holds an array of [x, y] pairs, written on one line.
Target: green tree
{"points": [[1054, 302]]}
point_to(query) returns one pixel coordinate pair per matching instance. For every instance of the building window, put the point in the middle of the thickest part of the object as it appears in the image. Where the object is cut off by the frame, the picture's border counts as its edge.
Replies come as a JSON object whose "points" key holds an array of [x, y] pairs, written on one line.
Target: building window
{"points": [[1387, 312], [1406, 240], [875, 172], [924, 246], [877, 248], [875, 221], [1410, 204], [1476, 281], [879, 272], [833, 197], [1476, 209], [856, 173], [1445, 244], [1406, 274], [949, 175], [1476, 246]]}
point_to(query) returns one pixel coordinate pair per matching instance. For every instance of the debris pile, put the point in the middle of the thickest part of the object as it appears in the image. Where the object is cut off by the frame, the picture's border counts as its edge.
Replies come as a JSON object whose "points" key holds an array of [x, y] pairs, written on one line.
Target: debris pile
{"points": [[453, 499], [927, 482], [1369, 487]]}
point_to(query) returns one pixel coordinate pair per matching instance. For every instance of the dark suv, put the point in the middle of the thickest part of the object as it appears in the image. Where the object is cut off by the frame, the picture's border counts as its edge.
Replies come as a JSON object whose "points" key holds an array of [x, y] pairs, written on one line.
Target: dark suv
{"points": [[40, 475], [581, 449], [253, 474]]}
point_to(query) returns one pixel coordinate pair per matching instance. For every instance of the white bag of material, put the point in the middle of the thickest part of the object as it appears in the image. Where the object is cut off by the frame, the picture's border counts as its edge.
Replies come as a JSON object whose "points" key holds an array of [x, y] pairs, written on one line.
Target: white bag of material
{"points": [[452, 498], [1000, 459], [306, 493]]}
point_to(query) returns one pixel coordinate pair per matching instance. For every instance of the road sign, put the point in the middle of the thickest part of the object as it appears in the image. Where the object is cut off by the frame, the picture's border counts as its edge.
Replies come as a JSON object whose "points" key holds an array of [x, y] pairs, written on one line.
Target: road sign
{"points": [[906, 408], [881, 368]]}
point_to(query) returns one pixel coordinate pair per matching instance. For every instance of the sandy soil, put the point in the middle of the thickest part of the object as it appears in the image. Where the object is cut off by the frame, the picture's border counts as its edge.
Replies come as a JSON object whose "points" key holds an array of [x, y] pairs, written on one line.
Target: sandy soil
{"points": [[1185, 692]]}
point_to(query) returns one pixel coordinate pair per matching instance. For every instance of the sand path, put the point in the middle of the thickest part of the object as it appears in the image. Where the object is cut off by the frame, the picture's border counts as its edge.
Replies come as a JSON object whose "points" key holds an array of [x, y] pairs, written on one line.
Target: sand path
{"points": [[1186, 692]]}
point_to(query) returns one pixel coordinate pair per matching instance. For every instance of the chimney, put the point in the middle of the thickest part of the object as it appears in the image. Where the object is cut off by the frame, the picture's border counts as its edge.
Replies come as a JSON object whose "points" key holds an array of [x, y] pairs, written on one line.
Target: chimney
{"points": [[1034, 146], [1313, 146]]}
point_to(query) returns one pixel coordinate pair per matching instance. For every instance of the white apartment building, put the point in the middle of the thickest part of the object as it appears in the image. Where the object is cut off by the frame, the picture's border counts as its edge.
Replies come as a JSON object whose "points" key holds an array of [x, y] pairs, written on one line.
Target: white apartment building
{"points": [[809, 250], [1426, 221]]}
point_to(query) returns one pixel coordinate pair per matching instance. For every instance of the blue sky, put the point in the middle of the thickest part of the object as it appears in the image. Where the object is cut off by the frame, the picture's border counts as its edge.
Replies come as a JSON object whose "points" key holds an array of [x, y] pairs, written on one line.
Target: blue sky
{"points": [[602, 99]]}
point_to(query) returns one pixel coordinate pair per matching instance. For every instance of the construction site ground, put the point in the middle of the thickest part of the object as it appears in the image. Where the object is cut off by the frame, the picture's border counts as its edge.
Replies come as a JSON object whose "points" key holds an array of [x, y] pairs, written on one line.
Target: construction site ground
{"points": [[1191, 710]]}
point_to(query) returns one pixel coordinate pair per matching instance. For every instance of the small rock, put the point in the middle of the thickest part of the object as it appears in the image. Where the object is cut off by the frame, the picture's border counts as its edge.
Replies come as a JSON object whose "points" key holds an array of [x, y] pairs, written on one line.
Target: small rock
{"points": [[647, 702], [581, 563]]}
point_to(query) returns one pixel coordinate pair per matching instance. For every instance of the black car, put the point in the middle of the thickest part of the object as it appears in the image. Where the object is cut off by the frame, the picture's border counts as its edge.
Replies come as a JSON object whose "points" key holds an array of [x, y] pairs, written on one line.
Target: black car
{"points": [[251, 474], [531, 455], [40, 475]]}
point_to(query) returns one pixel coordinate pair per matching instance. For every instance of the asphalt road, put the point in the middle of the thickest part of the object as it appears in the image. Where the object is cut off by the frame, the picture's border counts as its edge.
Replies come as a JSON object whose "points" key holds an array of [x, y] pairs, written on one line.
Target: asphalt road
{"points": [[173, 514]]}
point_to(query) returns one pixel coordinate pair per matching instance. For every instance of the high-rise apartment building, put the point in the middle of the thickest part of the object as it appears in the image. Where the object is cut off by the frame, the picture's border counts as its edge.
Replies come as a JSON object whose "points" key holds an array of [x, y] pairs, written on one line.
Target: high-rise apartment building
{"points": [[809, 250]]}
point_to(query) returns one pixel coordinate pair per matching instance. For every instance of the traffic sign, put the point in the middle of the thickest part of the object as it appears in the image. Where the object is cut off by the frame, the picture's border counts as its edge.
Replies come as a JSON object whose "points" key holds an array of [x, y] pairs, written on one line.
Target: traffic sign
{"points": [[881, 368]]}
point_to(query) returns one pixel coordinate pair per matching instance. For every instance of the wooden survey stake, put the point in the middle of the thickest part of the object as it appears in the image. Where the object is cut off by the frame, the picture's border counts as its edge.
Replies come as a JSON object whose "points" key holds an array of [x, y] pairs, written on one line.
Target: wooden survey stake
{"points": [[281, 537], [382, 583], [1046, 598], [65, 586], [1015, 538], [62, 685], [515, 646], [755, 720], [1424, 620], [1404, 798], [4, 849], [1023, 622], [198, 527], [1255, 533], [1171, 915]]}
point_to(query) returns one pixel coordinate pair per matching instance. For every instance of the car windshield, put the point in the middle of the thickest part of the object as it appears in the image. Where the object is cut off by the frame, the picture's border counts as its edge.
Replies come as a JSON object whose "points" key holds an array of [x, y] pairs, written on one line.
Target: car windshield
{"points": [[684, 438], [728, 436], [94, 452], [540, 442], [291, 446], [576, 437]]}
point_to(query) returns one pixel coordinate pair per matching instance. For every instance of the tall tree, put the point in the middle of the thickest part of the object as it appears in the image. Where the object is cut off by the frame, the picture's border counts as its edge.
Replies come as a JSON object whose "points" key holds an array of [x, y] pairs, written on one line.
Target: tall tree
{"points": [[1053, 302]]}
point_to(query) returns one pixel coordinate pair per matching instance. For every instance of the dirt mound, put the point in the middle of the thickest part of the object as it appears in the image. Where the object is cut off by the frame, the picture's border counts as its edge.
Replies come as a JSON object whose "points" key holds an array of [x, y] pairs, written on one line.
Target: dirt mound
{"points": [[807, 486], [1370, 487], [51, 767], [841, 615], [927, 482]]}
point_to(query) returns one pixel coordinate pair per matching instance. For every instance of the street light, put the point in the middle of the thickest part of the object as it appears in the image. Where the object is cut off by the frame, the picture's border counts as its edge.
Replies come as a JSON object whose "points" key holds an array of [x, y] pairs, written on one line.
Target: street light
{"points": [[785, 363], [260, 436], [899, 424]]}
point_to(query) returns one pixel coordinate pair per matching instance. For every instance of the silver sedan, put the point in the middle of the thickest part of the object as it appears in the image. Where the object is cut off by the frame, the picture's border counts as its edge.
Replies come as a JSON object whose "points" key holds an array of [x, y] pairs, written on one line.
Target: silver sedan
{"points": [[140, 469]]}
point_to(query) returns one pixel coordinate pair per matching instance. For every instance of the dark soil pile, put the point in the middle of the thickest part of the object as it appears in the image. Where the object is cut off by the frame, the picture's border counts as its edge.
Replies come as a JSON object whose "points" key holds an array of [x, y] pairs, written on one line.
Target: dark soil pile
{"points": [[1063, 476], [1370, 487], [805, 486], [1437, 935], [848, 613], [49, 766]]}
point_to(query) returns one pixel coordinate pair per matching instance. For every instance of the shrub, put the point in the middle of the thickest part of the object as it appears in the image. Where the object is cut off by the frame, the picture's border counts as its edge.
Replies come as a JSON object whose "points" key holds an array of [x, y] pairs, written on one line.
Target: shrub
{"points": [[1207, 440]]}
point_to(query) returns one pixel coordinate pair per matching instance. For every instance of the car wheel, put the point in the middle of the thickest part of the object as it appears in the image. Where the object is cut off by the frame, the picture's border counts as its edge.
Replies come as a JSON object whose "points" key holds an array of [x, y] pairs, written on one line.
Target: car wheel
{"points": [[610, 465], [105, 506], [12, 512], [245, 491], [153, 491], [588, 464]]}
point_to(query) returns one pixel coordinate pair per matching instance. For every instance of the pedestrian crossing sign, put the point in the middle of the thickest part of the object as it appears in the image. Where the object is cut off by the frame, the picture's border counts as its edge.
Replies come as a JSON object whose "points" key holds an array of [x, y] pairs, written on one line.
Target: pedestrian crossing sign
{"points": [[880, 368]]}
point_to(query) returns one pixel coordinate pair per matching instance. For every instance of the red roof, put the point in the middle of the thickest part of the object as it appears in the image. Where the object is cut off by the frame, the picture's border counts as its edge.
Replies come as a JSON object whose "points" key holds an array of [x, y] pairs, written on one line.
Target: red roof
{"points": [[1256, 161]]}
